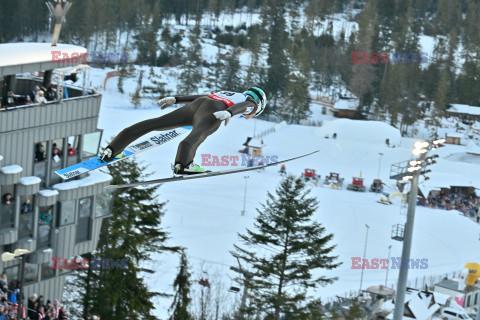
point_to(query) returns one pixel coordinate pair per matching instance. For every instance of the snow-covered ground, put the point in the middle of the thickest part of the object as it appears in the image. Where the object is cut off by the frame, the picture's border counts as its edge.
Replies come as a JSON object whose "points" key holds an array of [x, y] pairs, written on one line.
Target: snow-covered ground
{"points": [[205, 215]]}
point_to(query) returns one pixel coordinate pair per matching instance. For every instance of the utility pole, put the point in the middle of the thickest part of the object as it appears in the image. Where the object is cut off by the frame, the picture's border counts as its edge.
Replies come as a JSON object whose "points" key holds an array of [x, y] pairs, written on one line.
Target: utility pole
{"points": [[388, 266], [245, 195], [247, 277], [364, 253], [407, 244], [379, 164]]}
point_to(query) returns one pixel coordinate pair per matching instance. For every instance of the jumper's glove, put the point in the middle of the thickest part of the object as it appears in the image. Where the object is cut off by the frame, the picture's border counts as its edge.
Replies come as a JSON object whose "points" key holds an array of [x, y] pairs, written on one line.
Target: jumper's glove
{"points": [[166, 102], [223, 115]]}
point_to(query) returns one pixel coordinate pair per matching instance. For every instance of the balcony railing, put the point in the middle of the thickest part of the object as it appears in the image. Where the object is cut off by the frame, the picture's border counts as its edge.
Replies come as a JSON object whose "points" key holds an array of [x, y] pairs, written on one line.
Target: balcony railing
{"points": [[7, 216], [25, 225]]}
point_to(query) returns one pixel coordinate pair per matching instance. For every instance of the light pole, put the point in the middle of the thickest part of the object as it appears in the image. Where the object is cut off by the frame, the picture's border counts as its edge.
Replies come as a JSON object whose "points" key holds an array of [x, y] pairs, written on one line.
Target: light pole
{"points": [[245, 195], [379, 164], [388, 266], [416, 167], [364, 253]]}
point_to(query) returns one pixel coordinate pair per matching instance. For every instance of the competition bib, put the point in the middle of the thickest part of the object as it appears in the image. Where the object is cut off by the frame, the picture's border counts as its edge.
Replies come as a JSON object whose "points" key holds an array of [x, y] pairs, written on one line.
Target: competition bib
{"points": [[230, 98]]}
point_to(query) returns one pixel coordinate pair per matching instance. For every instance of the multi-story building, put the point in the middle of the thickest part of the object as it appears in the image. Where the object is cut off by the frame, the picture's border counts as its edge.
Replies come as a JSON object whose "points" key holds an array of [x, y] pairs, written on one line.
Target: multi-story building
{"points": [[40, 212]]}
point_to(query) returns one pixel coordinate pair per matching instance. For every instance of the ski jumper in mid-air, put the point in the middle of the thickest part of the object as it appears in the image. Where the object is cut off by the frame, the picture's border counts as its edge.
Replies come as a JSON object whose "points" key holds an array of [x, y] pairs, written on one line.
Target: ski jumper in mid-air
{"points": [[204, 113]]}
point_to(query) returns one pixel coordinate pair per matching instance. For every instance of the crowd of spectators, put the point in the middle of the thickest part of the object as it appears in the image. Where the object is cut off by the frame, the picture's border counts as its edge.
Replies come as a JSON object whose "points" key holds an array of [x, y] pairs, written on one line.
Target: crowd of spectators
{"points": [[40, 95], [461, 199], [13, 306], [56, 152]]}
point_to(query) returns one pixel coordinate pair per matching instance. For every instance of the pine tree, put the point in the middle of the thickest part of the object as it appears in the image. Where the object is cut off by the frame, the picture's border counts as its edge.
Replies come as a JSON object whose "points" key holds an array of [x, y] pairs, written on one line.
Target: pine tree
{"points": [[231, 72], [192, 68], [354, 312], [130, 235], [121, 76], [157, 89], [181, 285], [136, 98], [277, 73], [297, 100], [364, 74], [215, 73], [284, 248]]}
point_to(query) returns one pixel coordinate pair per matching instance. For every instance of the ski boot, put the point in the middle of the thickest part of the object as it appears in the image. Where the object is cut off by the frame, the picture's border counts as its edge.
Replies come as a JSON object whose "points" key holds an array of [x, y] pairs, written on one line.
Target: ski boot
{"points": [[106, 155], [191, 168]]}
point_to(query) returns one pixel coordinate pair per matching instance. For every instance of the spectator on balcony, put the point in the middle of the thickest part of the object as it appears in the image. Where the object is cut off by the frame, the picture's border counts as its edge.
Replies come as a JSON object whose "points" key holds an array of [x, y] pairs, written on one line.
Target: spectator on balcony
{"points": [[2, 313], [56, 308], [41, 313], [41, 301], [45, 218], [13, 296], [34, 93], [7, 198], [40, 97], [32, 306], [26, 207], [28, 100], [51, 93], [62, 315], [39, 152], [4, 283], [71, 151], [11, 99], [56, 151]]}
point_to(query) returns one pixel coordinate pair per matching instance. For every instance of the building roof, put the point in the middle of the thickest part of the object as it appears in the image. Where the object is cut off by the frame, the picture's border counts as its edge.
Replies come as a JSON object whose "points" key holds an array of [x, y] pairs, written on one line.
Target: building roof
{"points": [[33, 56], [453, 285], [464, 108], [347, 104]]}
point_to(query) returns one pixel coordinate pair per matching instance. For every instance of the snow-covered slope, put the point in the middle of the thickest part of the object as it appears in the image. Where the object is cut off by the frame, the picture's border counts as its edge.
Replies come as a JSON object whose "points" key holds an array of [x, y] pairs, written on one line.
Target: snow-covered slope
{"points": [[205, 215]]}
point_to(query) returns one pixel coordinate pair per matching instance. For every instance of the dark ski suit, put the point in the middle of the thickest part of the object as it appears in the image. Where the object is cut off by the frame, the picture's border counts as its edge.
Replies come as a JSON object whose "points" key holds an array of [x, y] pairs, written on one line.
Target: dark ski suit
{"points": [[198, 113]]}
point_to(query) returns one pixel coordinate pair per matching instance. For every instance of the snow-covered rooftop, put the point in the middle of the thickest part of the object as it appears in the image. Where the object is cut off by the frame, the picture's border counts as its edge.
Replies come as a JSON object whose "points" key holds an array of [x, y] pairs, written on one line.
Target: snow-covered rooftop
{"points": [[30, 180], [464, 108], [48, 193], [346, 104], [13, 169], [453, 134], [32, 52]]}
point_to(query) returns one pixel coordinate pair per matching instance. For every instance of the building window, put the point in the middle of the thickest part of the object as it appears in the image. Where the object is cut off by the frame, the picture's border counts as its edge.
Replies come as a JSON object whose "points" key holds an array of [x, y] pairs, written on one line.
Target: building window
{"points": [[40, 160], [7, 208], [91, 142], [31, 273], [47, 271], [104, 203], [72, 150], [84, 219], [25, 222], [57, 160], [475, 300], [45, 226], [66, 213], [468, 301]]}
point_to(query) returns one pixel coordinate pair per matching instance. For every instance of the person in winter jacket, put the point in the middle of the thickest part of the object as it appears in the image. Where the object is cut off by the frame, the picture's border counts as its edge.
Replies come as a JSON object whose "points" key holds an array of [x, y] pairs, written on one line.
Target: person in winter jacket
{"points": [[13, 296]]}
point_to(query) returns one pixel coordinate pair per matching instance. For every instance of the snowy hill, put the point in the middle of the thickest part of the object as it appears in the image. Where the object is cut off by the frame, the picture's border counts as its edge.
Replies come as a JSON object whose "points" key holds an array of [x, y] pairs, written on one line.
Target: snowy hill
{"points": [[205, 215]]}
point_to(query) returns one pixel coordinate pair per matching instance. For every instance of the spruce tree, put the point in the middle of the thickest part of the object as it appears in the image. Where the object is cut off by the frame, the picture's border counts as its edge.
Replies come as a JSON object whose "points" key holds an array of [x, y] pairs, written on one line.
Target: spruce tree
{"points": [[192, 68], [297, 100], [136, 98], [181, 285], [231, 72], [132, 233], [157, 89], [354, 312], [278, 71], [284, 248]]}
